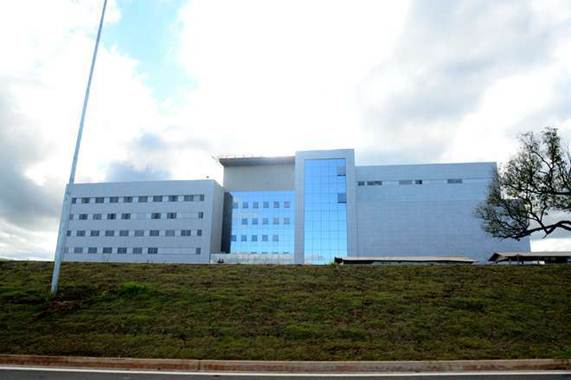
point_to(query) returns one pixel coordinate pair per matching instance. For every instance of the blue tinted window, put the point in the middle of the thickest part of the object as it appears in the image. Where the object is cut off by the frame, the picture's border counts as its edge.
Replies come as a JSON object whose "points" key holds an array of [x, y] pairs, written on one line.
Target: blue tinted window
{"points": [[325, 216], [258, 227]]}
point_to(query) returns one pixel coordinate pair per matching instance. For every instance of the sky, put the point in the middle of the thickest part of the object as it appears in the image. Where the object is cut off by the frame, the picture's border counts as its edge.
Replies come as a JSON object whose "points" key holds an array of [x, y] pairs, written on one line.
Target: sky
{"points": [[177, 82]]}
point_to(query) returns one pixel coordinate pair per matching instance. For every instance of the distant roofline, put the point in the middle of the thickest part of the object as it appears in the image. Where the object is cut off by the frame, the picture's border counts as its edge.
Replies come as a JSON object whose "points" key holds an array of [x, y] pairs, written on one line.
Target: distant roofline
{"points": [[105, 183], [424, 259], [229, 161], [429, 164], [503, 256]]}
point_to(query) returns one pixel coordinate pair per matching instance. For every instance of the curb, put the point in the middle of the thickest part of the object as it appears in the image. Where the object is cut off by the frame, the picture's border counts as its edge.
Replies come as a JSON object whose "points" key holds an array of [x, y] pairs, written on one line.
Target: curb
{"points": [[287, 366]]}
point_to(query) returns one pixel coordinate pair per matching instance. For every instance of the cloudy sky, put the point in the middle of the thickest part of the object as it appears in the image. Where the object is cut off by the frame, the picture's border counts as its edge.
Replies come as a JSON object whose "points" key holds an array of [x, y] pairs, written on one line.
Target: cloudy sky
{"points": [[179, 81]]}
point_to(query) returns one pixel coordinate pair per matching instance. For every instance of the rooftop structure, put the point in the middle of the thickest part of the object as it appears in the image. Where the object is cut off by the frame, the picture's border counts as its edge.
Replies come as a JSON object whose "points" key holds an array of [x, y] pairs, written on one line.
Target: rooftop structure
{"points": [[544, 257], [227, 161], [405, 260]]}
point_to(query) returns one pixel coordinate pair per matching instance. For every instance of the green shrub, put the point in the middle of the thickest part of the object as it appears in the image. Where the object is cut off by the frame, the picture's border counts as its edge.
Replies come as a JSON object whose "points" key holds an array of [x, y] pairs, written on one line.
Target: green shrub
{"points": [[131, 289]]}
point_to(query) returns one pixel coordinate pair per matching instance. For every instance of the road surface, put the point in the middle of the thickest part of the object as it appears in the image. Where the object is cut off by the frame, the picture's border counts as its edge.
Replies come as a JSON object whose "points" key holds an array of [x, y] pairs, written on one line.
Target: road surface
{"points": [[37, 373]]}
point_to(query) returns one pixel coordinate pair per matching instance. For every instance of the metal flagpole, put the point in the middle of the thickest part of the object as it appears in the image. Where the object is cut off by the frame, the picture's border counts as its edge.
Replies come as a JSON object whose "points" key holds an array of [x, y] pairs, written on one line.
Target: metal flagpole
{"points": [[66, 207]]}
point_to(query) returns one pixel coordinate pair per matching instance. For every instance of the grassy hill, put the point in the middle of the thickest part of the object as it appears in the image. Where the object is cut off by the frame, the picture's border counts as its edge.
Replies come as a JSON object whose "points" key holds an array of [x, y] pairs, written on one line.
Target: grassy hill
{"points": [[287, 312]]}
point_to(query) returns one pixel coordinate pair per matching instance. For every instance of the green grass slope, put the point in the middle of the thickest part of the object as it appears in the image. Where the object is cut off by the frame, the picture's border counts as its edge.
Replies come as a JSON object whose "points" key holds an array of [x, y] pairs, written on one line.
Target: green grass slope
{"points": [[287, 312]]}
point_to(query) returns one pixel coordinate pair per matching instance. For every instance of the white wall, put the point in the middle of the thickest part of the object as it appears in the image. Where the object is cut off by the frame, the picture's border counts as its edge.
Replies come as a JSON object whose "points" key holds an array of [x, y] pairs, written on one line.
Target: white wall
{"points": [[171, 249], [432, 218], [259, 177]]}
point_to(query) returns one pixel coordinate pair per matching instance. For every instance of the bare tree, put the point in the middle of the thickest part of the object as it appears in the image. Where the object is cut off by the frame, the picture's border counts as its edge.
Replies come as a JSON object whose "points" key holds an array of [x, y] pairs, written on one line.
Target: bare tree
{"points": [[531, 190]]}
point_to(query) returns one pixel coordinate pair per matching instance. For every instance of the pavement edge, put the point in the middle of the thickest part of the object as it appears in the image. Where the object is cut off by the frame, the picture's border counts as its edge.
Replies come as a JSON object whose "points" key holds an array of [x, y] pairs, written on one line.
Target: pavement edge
{"points": [[286, 366]]}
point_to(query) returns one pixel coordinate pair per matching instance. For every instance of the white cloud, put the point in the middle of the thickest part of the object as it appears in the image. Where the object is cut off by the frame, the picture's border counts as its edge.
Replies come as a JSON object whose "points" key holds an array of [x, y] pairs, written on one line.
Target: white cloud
{"points": [[275, 77], [48, 47], [398, 81]]}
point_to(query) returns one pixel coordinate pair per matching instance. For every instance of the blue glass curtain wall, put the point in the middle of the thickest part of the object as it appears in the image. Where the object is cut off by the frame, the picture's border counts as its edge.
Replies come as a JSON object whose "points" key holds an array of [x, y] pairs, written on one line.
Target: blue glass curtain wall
{"points": [[263, 222], [325, 203]]}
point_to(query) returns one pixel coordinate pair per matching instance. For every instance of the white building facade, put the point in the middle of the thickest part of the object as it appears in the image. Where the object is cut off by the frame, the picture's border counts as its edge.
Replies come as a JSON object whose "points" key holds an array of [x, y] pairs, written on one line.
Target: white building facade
{"points": [[145, 222], [304, 209]]}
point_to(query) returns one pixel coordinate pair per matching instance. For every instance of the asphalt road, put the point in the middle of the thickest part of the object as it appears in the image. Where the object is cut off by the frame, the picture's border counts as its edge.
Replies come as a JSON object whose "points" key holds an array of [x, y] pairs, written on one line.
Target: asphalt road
{"points": [[13, 373]]}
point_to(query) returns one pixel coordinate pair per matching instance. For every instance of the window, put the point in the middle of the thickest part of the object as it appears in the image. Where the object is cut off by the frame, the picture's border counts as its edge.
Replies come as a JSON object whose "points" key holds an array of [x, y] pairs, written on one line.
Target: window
{"points": [[73, 200], [243, 238], [169, 233], [99, 200], [68, 233], [374, 183], [454, 180], [198, 251], [264, 237], [244, 204], [265, 221], [341, 171], [418, 182], [143, 199], [254, 238], [234, 205], [96, 216], [171, 215], [254, 221], [276, 204], [137, 251], [200, 215], [92, 250], [70, 216], [78, 250], [139, 233], [109, 233], [111, 216], [244, 221], [198, 232], [233, 238], [275, 238], [156, 215], [94, 233], [152, 251], [124, 233], [266, 204], [360, 183], [84, 200], [107, 250], [157, 198], [125, 216], [405, 182], [255, 204], [287, 204], [189, 198], [341, 197], [154, 233], [114, 200], [185, 233], [122, 250], [173, 198], [128, 200], [80, 233], [276, 220], [286, 220], [201, 197], [82, 216]]}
